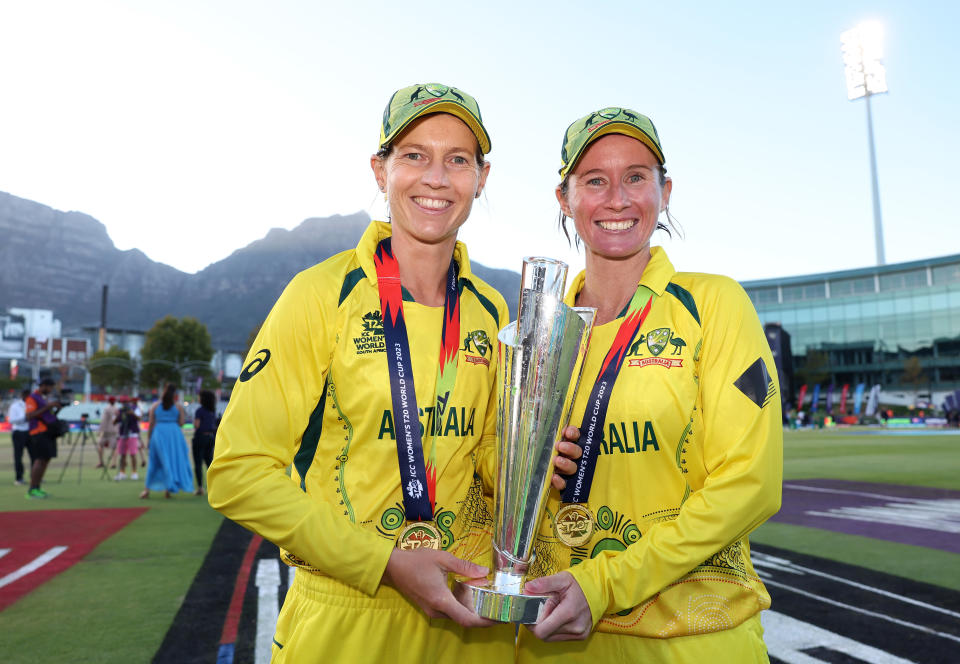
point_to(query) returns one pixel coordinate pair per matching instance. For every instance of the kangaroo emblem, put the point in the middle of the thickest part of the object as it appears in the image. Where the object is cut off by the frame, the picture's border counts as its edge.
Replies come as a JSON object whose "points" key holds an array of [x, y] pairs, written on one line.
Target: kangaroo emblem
{"points": [[477, 342], [635, 348], [677, 344]]}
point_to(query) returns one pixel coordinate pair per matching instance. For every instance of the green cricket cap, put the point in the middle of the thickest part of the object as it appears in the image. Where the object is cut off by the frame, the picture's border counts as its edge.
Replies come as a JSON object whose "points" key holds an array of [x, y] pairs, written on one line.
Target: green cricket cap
{"points": [[414, 101], [612, 120]]}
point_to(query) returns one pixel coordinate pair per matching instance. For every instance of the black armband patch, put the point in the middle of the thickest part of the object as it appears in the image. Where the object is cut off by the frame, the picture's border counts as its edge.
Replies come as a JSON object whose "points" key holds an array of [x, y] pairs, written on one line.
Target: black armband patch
{"points": [[755, 382]]}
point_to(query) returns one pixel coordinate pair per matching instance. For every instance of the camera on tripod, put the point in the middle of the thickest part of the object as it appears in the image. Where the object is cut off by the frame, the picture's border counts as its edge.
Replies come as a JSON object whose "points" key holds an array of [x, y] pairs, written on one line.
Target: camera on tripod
{"points": [[66, 397]]}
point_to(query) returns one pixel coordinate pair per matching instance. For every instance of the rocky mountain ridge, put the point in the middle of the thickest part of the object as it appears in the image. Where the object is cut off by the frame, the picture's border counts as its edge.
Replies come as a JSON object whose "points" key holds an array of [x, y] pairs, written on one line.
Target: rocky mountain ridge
{"points": [[60, 260]]}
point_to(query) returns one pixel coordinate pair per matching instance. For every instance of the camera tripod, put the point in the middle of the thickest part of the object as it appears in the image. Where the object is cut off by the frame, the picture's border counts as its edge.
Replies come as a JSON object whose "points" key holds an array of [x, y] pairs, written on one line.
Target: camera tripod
{"points": [[78, 437]]}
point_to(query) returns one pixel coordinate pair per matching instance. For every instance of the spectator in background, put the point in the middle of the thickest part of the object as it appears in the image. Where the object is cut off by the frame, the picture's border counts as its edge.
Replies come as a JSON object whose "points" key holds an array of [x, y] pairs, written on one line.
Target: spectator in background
{"points": [[134, 404], [43, 443], [128, 441], [17, 417], [168, 468], [204, 433], [108, 429]]}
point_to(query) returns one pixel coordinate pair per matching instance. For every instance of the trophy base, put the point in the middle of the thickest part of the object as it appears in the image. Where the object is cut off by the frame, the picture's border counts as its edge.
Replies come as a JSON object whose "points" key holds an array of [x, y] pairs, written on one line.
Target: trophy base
{"points": [[488, 602]]}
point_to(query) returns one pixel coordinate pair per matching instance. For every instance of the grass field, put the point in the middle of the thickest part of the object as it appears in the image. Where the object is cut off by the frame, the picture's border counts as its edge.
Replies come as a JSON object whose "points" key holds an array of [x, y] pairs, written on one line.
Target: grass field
{"points": [[117, 604], [918, 460]]}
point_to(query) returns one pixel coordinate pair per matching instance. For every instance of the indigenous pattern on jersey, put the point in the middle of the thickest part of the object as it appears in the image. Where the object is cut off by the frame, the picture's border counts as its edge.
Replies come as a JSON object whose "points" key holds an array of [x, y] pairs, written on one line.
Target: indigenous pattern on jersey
{"points": [[315, 393], [690, 462]]}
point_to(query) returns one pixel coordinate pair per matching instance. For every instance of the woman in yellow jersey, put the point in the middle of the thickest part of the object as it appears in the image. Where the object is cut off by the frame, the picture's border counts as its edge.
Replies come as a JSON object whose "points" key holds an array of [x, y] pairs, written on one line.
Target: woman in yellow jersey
{"points": [[372, 379], [646, 550]]}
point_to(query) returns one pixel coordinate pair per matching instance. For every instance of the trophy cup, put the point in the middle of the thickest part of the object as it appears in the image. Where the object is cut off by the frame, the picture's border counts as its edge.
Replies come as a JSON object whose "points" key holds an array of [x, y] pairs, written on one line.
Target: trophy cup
{"points": [[541, 356]]}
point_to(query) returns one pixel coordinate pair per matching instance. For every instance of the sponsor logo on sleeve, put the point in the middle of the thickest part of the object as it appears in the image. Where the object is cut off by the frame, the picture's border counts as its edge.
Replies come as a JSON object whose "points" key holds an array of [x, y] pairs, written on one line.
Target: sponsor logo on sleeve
{"points": [[255, 365]]}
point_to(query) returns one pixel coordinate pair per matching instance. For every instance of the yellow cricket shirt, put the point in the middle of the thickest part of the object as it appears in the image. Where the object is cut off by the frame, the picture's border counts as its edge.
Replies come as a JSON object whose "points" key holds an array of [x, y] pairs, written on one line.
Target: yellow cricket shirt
{"points": [[690, 462], [315, 394]]}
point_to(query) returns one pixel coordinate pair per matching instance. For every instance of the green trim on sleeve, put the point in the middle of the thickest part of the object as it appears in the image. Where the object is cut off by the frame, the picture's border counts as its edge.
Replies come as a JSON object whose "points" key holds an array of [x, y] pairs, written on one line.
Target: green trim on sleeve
{"points": [[487, 304], [686, 299], [310, 439], [352, 279]]}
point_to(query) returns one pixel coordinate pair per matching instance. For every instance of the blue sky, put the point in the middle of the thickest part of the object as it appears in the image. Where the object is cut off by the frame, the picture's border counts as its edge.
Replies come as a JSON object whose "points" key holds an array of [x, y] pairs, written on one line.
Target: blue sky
{"points": [[192, 128]]}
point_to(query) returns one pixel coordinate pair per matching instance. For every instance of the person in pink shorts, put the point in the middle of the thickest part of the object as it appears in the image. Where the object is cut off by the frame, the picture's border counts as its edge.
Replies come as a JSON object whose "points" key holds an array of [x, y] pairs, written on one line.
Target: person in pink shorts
{"points": [[128, 442]]}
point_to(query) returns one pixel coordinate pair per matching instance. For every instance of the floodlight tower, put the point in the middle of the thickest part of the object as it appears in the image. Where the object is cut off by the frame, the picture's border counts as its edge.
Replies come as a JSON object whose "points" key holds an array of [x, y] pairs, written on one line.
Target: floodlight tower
{"points": [[866, 76]]}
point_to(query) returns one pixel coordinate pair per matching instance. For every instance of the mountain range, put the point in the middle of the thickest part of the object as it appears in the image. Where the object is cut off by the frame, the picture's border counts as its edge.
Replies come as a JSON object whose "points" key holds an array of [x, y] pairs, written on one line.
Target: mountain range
{"points": [[60, 261]]}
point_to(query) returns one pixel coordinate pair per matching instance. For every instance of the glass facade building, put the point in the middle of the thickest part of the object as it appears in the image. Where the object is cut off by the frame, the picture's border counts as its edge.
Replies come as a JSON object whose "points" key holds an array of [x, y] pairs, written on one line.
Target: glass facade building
{"points": [[895, 325]]}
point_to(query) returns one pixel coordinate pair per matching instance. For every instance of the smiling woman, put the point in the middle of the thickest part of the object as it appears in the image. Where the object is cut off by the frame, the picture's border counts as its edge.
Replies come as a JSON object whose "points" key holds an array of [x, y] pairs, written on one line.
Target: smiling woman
{"points": [[431, 175], [390, 442], [686, 457]]}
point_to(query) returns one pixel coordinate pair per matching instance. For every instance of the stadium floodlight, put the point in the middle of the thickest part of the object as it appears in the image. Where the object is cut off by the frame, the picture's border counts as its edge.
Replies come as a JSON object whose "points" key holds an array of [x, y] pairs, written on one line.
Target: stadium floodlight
{"points": [[862, 56], [866, 76]]}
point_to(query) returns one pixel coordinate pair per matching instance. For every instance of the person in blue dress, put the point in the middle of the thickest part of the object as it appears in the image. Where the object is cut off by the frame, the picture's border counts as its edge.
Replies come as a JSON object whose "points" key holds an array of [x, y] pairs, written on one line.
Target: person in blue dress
{"points": [[168, 466]]}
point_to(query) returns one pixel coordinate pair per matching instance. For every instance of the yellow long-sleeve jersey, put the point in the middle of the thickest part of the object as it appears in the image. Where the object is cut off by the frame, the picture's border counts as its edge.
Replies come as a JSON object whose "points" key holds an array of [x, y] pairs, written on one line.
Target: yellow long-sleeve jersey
{"points": [[690, 462], [315, 396]]}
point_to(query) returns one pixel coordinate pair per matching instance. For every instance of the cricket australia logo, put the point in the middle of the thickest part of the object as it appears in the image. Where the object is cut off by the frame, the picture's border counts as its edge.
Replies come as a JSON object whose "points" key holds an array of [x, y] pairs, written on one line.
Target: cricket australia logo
{"points": [[370, 337], [476, 341], [414, 489], [656, 342]]}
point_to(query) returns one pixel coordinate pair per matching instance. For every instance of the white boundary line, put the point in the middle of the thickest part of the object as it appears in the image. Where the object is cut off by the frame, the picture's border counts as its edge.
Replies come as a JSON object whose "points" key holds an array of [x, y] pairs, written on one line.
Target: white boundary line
{"points": [[874, 614], [787, 638], [32, 566], [268, 591], [847, 492], [764, 560]]}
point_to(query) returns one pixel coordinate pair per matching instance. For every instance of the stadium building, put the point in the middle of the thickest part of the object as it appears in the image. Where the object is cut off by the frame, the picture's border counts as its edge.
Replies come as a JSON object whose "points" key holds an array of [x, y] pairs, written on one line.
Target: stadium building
{"points": [[896, 326]]}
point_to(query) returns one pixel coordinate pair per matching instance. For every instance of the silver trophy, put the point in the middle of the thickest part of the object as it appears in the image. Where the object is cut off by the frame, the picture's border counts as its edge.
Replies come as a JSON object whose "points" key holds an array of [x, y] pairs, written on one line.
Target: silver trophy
{"points": [[541, 356]]}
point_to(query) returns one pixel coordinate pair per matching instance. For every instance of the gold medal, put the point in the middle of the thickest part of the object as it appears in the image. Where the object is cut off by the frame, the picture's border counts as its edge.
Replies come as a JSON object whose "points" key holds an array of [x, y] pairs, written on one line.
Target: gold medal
{"points": [[419, 535], [573, 524]]}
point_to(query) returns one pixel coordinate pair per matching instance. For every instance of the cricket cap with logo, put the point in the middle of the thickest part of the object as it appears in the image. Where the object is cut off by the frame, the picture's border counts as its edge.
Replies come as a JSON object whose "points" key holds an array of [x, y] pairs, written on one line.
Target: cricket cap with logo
{"points": [[415, 101], [612, 120]]}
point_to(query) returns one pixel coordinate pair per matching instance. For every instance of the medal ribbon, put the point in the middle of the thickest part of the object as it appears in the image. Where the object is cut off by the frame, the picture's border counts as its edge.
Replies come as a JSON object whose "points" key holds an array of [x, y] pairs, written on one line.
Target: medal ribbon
{"points": [[591, 430], [418, 477]]}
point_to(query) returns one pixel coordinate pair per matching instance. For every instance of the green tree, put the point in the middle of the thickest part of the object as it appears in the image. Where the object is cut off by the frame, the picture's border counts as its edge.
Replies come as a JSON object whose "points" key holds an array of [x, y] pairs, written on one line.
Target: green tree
{"points": [[176, 350], [14, 384], [111, 369], [913, 372], [815, 369]]}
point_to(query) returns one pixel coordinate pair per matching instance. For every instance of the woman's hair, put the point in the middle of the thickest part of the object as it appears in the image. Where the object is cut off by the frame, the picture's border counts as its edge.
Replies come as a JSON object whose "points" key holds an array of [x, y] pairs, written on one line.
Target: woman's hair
{"points": [[208, 400], [168, 393], [562, 218]]}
